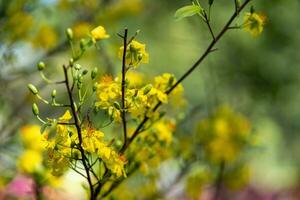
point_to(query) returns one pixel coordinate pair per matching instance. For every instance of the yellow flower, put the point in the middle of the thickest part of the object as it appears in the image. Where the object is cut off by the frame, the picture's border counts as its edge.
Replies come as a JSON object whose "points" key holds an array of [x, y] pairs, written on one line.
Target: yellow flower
{"points": [[91, 139], [99, 33], [59, 148], [164, 131], [113, 161], [238, 177], [30, 161], [196, 181], [135, 54], [81, 29], [53, 181], [254, 23], [46, 38], [18, 25], [66, 117], [135, 78], [224, 135], [32, 138]]}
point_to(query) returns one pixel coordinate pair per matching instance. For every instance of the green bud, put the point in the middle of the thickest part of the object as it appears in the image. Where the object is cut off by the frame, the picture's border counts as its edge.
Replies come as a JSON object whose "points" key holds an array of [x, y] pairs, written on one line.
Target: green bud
{"points": [[32, 89], [238, 3], [79, 78], [140, 57], [53, 94], [35, 109], [95, 87], [41, 66], [94, 73], [77, 66], [85, 72], [171, 80], [69, 34], [110, 111], [118, 143], [82, 44], [117, 105], [71, 61], [210, 2], [147, 89]]}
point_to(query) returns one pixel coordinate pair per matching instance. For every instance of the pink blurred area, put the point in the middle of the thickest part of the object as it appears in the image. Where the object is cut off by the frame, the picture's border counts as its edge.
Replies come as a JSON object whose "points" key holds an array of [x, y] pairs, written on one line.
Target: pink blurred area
{"points": [[24, 187]]}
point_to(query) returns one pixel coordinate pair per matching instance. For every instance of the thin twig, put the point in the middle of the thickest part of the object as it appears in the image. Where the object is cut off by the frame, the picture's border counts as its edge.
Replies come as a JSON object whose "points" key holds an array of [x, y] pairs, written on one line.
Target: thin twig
{"points": [[123, 112]]}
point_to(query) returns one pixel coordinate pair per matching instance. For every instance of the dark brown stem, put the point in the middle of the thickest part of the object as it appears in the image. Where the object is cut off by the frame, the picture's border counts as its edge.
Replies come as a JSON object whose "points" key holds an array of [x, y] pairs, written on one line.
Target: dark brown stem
{"points": [[188, 72], [219, 180], [78, 128], [207, 21], [123, 112]]}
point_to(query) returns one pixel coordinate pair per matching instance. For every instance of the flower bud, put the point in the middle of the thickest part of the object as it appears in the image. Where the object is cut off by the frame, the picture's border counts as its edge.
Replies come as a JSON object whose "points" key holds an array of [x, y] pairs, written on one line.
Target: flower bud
{"points": [[118, 143], [82, 44], [140, 57], [171, 80], [210, 2], [238, 3], [85, 72], [71, 61], [35, 109], [117, 105], [110, 111], [79, 78], [147, 89], [53, 94], [41, 66], [95, 87], [69, 34], [32, 89], [94, 73]]}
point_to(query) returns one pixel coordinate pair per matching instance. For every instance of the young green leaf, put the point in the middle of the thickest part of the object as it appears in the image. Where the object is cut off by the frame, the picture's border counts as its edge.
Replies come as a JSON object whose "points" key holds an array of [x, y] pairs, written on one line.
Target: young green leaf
{"points": [[187, 11]]}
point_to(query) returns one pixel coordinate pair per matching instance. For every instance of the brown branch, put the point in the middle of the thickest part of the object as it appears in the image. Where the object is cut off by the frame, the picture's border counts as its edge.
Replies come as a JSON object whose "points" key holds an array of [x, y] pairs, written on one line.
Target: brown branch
{"points": [[123, 112], [78, 128], [188, 72]]}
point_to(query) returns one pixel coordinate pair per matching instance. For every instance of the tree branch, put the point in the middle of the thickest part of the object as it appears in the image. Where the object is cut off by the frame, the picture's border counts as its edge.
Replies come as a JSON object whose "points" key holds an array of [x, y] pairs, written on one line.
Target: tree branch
{"points": [[188, 72], [78, 128], [123, 112]]}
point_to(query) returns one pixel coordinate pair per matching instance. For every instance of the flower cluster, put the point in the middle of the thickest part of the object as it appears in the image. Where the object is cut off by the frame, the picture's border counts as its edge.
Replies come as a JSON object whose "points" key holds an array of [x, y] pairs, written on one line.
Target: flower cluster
{"points": [[64, 148], [30, 161], [135, 54], [224, 135], [139, 98], [154, 145]]}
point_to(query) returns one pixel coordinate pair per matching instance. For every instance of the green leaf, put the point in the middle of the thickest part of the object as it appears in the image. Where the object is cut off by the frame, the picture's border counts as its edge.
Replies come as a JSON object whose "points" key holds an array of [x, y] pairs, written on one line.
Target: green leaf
{"points": [[187, 11]]}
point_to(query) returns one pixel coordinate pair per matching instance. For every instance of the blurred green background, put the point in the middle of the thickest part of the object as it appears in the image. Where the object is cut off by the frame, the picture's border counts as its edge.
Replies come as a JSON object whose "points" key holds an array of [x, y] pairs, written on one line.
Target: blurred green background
{"points": [[259, 77]]}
